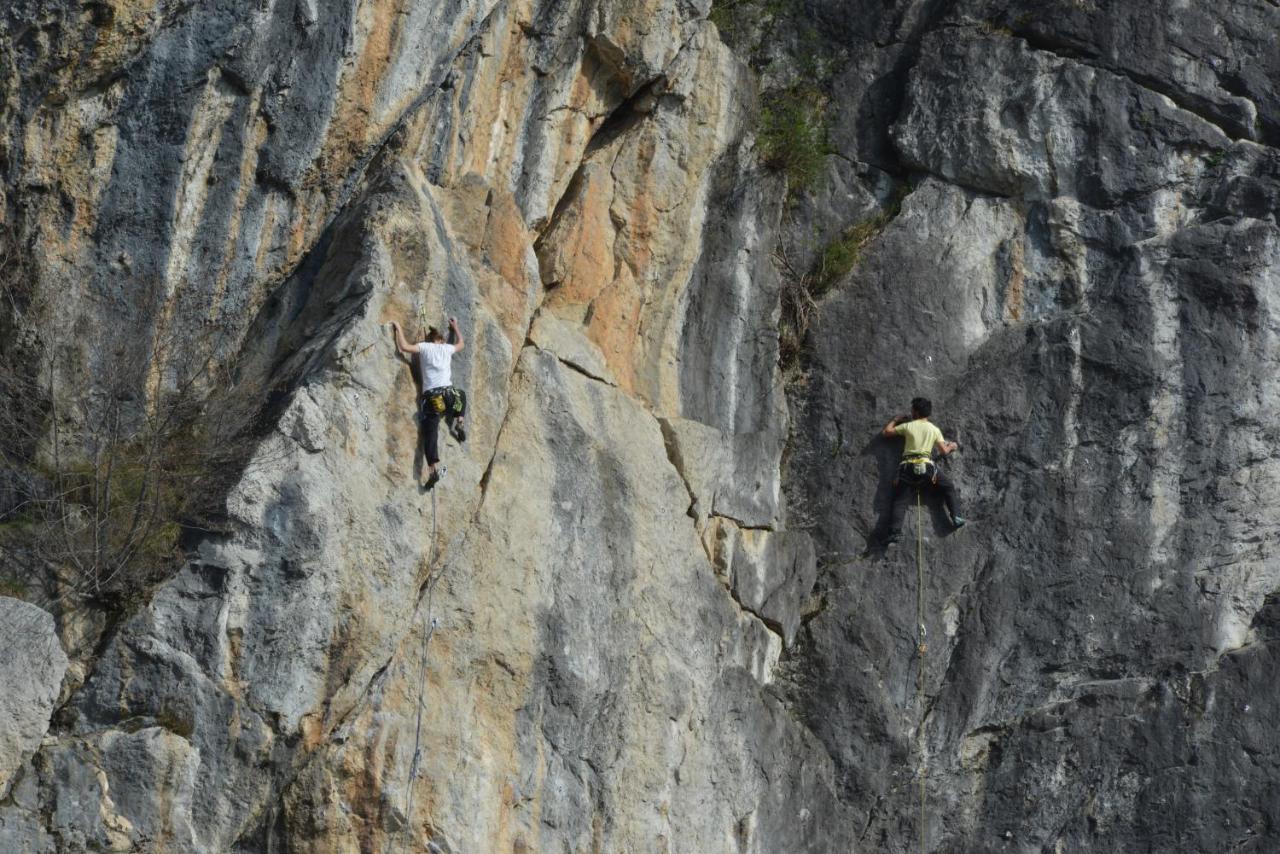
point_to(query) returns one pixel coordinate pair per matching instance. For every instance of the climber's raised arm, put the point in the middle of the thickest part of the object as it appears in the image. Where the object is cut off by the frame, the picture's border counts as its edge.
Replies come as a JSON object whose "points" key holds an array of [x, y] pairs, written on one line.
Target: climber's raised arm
{"points": [[457, 334], [891, 429], [401, 344]]}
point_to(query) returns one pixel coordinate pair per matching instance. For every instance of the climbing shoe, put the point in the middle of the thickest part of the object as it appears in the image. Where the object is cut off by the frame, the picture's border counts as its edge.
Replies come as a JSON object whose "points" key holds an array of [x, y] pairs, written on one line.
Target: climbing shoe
{"points": [[957, 522], [436, 477], [459, 432], [891, 539]]}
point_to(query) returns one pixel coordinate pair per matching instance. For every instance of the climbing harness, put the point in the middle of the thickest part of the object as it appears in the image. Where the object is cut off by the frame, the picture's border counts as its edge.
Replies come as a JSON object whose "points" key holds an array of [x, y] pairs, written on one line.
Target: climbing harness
{"points": [[446, 400], [918, 471]]}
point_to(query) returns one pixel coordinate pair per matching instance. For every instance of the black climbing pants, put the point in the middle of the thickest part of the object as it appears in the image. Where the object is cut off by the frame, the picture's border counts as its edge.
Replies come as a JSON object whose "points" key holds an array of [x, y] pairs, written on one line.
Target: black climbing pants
{"points": [[904, 493], [430, 433], [439, 404]]}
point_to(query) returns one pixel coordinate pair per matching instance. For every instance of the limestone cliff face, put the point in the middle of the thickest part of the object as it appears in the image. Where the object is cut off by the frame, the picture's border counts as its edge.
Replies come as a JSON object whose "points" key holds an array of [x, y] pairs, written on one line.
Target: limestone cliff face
{"points": [[632, 617], [570, 644], [1083, 273]]}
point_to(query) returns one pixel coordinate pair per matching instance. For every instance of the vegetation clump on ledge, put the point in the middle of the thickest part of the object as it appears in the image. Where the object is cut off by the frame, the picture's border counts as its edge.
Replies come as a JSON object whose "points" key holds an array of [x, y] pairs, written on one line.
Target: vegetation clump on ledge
{"points": [[802, 290], [841, 255], [793, 135]]}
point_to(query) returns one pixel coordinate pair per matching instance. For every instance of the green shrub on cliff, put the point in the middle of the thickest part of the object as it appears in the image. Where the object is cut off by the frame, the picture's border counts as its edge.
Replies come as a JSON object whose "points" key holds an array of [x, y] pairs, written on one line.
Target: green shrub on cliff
{"points": [[742, 23], [841, 255], [802, 290], [793, 135]]}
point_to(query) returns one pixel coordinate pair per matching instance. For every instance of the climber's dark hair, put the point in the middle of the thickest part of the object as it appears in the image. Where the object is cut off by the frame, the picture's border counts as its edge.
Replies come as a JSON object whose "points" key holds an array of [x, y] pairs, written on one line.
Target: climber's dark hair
{"points": [[921, 407], [434, 336]]}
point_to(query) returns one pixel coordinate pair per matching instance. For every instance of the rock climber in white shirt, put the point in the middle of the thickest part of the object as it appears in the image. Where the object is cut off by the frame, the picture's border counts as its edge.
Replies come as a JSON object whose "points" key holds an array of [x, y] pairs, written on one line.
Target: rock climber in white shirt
{"points": [[439, 398]]}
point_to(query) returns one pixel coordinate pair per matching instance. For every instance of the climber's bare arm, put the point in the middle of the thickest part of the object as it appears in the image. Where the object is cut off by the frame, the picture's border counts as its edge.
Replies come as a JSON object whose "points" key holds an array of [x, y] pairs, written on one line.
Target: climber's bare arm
{"points": [[457, 334], [889, 432], [943, 447], [402, 345]]}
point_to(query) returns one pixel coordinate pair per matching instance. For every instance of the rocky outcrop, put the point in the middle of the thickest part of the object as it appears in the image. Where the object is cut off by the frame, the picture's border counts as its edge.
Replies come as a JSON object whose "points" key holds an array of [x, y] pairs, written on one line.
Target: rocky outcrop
{"points": [[31, 672], [552, 650], [635, 615], [1094, 323]]}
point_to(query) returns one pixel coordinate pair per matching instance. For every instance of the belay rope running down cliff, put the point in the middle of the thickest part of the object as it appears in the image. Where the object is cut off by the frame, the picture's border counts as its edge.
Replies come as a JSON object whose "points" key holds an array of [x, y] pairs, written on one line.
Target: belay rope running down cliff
{"points": [[921, 648], [427, 593], [429, 624]]}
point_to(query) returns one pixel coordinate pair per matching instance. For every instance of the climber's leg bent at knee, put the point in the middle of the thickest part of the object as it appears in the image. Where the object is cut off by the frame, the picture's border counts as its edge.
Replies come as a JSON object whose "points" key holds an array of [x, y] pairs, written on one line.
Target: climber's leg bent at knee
{"points": [[917, 470], [950, 501], [434, 361], [456, 413]]}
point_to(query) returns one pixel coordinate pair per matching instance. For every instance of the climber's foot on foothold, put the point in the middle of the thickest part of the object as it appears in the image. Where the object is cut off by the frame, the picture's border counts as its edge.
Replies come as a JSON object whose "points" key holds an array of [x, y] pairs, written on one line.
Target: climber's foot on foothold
{"points": [[458, 430], [437, 475], [957, 522]]}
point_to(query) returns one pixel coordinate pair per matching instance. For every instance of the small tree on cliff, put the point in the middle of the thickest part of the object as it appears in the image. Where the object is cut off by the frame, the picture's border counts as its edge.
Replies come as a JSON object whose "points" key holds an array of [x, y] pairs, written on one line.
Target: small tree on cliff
{"points": [[103, 476]]}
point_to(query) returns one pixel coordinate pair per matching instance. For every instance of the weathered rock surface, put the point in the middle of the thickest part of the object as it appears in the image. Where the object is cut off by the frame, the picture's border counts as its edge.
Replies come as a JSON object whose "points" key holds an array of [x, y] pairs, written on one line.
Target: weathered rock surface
{"points": [[31, 672], [1098, 329], [633, 616], [596, 673]]}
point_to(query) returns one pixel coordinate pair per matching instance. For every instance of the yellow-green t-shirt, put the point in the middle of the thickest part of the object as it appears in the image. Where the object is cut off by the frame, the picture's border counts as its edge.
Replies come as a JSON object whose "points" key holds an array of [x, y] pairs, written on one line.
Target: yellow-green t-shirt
{"points": [[921, 437]]}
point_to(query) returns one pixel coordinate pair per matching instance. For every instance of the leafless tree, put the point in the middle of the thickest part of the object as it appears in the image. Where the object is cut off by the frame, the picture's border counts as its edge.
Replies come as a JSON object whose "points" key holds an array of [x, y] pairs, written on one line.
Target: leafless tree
{"points": [[111, 471]]}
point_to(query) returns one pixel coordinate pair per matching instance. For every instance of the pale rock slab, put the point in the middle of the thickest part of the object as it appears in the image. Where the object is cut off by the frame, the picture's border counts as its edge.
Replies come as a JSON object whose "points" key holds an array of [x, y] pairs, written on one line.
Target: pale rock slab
{"points": [[728, 474], [31, 671], [570, 345]]}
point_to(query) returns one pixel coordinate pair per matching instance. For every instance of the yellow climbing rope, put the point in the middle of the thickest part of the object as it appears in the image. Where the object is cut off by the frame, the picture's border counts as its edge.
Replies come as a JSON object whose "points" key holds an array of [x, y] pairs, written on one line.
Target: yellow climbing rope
{"points": [[921, 648]]}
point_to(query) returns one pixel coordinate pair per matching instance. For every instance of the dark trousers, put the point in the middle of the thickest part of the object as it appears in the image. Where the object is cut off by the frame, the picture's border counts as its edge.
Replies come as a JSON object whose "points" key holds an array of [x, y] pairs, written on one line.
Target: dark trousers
{"points": [[904, 492], [431, 418], [431, 433]]}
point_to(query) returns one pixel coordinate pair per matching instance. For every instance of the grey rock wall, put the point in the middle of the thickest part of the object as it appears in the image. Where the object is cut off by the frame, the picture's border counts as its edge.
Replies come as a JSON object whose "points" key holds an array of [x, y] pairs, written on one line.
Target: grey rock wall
{"points": [[33, 667], [1097, 329], [636, 615]]}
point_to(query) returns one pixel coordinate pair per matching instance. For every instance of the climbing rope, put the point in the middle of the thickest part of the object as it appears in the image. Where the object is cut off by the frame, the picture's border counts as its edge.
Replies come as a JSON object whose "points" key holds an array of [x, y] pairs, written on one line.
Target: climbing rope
{"points": [[422, 320], [428, 629], [921, 648]]}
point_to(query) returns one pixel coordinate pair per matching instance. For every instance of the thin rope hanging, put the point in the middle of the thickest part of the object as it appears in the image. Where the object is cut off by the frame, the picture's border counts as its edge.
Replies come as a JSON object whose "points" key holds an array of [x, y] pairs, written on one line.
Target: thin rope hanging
{"points": [[921, 648], [428, 629]]}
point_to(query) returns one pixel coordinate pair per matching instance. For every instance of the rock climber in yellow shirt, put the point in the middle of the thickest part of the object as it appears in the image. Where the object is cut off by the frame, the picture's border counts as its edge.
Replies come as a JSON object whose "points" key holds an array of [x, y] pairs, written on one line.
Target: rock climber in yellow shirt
{"points": [[917, 470]]}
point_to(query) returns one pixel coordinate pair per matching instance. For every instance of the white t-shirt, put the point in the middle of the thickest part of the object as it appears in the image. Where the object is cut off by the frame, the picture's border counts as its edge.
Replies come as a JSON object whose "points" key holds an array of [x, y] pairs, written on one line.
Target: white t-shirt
{"points": [[435, 360]]}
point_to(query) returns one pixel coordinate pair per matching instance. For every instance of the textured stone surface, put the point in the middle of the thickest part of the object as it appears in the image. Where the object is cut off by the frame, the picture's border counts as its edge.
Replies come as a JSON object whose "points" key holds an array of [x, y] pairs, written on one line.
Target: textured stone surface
{"points": [[31, 672], [629, 718], [1042, 126], [770, 573], [543, 172], [634, 617], [1218, 62], [1097, 328]]}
